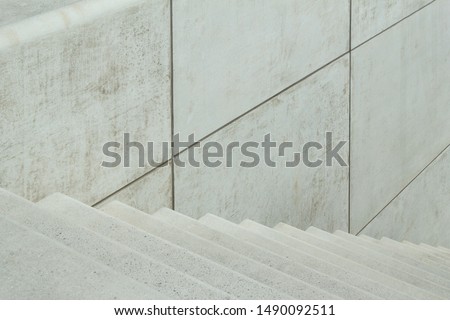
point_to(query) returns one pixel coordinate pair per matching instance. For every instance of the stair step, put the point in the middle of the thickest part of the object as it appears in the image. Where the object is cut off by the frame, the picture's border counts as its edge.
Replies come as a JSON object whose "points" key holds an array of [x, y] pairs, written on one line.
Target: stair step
{"points": [[427, 250], [36, 267], [391, 258], [435, 250], [443, 249], [61, 248], [370, 284], [164, 252], [371, 258], [299, 238], [271, 282], [167, 280], [440, 258], [307, 291], [416, 251], [328, 283], [399, 252], [426, 260]]}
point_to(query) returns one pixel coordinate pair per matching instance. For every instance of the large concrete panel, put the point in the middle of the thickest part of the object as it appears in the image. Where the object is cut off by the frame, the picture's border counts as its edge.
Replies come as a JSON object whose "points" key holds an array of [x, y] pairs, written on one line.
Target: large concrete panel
{"points": [[421, 213], [300, 195], [400, 108], [74, 79], [230, 56], [372, 17]]}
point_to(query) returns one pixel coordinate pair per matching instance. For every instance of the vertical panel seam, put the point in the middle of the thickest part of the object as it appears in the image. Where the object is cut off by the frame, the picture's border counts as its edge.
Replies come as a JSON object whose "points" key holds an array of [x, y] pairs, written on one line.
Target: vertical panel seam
{"points": [[349, 115], [172, 117]]}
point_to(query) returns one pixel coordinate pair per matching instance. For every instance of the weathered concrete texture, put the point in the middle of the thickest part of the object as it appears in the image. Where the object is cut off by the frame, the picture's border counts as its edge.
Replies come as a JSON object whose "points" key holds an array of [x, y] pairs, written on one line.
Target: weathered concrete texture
{"points": [[428, 250], [446, 249], [373, 260], [363, 280], [435, 250], [362, 245], [74, 81], [13, 11], [298, 238], [165, 252], [149, 193], [421, 213], [391, 247], [400, 109], [164, 279], [275, 284], [277, 260], [300, 195], [63, 249], [324, 281], [247, 249], [230, 56], [36, 267], [354, 274], [431, 281], [426, 261], [371, 17]]}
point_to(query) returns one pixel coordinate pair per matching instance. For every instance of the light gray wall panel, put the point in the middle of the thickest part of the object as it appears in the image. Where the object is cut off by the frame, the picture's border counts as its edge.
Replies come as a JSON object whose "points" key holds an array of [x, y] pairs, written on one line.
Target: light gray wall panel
{"points": [[421, 213], [69, 86], [400, 108], [230, 56], [300, 196]]}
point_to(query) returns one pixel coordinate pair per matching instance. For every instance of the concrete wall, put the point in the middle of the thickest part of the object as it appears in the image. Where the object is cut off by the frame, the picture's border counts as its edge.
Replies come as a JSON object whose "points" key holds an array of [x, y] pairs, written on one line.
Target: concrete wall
{"points": [[421, 212], [400, 112], [371, 72], [73, 79]]}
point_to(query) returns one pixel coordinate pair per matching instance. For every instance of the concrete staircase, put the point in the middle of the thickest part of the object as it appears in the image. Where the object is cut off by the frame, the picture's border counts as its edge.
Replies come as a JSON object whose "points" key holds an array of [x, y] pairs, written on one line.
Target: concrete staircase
{"points": [[60, 248]]}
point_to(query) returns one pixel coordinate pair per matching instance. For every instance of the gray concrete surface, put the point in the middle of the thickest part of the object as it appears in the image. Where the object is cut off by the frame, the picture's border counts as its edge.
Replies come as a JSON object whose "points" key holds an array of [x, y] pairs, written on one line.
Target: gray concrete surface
{"points": [[205, 270], [389, 256], [309, 291], [427, 265], [298, 238], [278, 284], [142, 268], [326, 282], [374, 263], [33, 266]]}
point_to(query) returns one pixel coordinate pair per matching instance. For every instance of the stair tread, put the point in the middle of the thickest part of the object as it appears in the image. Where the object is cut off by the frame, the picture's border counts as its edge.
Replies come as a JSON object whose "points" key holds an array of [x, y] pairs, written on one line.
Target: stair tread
{"points": [[132, 263], [209, 258], [165, 252], [401, 251], [426, 250], [435, 250], [326, 282], [428, 261], [374, 285], [391, 258], [299, 238], [191, 225], [443, 249], [417, 250], [381, 262], [61, 273], [274, 283]]}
